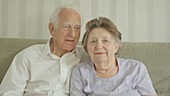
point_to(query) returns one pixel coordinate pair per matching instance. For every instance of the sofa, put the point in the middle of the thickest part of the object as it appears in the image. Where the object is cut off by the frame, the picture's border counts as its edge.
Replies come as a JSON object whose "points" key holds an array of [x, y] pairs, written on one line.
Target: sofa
{"points": [[155, 56]]}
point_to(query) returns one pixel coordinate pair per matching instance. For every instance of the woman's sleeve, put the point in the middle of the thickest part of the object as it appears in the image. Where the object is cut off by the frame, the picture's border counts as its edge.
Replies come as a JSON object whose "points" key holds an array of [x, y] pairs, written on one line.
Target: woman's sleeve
{"points": [[76, 84], [144, 83]]}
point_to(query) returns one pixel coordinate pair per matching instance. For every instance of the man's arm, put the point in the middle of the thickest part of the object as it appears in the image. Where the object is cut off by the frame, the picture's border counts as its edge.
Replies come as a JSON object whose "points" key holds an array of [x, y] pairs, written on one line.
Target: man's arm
{"points": [[15, 80]]}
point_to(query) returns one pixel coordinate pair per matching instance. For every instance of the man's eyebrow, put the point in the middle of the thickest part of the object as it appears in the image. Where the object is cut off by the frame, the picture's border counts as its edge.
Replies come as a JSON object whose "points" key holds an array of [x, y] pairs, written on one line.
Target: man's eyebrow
{"points": [[77, 25], [67, 24]]}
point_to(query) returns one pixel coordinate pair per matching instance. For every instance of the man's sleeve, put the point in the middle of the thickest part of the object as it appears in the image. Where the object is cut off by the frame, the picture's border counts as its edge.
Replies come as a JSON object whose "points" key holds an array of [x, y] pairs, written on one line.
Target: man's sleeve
{"points": [[15, 80]]}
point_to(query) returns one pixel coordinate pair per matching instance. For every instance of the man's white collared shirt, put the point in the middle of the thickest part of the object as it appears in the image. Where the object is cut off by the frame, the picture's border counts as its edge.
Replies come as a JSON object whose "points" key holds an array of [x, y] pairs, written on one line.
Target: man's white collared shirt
{"points": [[35, 71]]}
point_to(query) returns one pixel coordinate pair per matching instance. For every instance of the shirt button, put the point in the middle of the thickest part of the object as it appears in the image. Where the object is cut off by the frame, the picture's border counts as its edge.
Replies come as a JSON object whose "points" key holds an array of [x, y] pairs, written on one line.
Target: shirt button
{"points": [[109, 90], [108, 94], [107, 80], [59, 85], [64, 73]]}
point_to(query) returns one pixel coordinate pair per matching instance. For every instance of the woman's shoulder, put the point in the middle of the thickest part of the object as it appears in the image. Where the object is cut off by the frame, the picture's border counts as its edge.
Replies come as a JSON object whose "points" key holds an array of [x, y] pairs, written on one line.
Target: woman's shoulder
{"points": [[132, 68], [130, 63], [83, 66]]}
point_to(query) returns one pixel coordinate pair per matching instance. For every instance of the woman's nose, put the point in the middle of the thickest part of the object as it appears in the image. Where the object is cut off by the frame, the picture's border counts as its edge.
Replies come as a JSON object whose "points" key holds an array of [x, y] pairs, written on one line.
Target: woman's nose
{"points": [[99, 45]]}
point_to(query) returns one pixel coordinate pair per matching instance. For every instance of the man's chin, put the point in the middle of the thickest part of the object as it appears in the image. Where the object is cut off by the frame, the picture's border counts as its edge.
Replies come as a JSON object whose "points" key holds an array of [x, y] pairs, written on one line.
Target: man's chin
{"points": [[69, 49]]}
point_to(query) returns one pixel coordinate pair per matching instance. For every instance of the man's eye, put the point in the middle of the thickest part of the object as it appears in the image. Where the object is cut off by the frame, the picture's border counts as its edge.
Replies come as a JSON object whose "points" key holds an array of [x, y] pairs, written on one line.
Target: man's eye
{"points": [[66, 26], [77, 28]]}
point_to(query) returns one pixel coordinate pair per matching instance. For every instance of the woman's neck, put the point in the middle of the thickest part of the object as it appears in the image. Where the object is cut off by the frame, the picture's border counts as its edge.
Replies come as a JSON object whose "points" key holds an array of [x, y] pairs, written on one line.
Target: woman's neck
{"points": [[107, 73]]}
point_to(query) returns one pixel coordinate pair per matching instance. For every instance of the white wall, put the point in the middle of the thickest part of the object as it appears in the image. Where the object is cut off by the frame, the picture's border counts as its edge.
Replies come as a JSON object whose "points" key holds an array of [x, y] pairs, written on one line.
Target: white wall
{"points": [[138, 20]]}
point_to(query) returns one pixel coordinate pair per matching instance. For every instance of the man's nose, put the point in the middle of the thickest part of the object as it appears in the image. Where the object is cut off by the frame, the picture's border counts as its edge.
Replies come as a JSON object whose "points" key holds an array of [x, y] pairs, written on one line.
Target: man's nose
{"points": [[72, 32]]}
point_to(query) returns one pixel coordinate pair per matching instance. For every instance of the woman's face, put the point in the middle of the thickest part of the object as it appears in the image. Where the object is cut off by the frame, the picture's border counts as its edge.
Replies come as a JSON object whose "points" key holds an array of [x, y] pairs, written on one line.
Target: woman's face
{"points": [[101, 46]]}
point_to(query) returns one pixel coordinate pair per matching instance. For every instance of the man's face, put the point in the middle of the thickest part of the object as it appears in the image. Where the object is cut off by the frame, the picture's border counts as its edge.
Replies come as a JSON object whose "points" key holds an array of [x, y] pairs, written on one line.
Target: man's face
{"points": [[66, 34]]}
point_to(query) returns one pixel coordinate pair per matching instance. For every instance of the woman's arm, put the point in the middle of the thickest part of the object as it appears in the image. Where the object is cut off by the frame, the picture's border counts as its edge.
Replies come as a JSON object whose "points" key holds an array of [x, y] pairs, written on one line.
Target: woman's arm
{"points": [[144, 83], [76, 84]]}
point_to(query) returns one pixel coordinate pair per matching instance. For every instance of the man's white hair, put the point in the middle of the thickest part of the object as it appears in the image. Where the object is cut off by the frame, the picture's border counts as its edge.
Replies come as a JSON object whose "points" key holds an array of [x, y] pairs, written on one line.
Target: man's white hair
{"points": [[54, 15]]}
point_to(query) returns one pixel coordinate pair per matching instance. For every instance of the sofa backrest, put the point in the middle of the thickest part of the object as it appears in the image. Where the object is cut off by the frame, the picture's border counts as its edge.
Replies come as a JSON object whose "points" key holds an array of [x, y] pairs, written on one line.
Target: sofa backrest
{"points": [[9, 47], [155, 55]]}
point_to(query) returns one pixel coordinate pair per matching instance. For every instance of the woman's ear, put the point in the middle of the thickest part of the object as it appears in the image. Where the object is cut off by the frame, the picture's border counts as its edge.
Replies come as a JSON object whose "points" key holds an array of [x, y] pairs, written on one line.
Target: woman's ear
{"points": [[51, 28], [116, 47]]}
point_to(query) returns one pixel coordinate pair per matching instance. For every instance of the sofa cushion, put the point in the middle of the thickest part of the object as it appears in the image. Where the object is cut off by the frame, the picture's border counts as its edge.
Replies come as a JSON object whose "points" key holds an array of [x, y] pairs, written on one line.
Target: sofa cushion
{"points": [[163, 87]]}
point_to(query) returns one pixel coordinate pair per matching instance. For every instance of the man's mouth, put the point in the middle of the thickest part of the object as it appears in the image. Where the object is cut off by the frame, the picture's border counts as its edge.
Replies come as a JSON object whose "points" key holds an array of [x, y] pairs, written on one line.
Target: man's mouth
{"points": [[70, 41]]}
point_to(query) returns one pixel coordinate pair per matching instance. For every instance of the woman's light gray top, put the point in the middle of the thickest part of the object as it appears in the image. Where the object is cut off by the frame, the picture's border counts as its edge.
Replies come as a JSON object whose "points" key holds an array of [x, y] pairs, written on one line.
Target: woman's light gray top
{"points": [[132, 79]]}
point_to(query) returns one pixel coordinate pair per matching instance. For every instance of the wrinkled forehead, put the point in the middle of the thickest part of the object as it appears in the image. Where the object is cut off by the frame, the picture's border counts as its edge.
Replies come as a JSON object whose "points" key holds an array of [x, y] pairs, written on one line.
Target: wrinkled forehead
{"points": [[69, 16], [100, 32], [68, 12]]}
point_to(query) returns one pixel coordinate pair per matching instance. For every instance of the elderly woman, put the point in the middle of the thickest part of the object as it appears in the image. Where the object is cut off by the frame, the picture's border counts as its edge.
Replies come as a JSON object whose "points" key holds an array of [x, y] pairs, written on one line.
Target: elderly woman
{"points": [[105, 74]]}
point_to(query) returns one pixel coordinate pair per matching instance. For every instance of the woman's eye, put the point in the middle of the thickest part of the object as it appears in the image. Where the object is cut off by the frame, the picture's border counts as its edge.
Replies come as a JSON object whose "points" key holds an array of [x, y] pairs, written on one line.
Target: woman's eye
{"points": [[93, 41], [105, 40]]}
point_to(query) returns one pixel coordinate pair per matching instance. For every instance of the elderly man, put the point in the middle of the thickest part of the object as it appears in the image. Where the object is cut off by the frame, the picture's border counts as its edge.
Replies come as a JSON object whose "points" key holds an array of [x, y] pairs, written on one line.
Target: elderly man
{"points": [[44, 69]]}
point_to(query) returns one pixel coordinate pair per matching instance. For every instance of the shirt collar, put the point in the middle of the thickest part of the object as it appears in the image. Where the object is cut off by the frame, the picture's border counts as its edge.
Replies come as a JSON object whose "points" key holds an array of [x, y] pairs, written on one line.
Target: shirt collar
{"points": [[47, 51]]}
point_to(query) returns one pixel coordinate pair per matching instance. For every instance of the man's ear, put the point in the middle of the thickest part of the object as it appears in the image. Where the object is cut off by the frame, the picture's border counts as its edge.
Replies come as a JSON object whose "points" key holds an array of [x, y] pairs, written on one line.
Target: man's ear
{"points": [[51, 28]]}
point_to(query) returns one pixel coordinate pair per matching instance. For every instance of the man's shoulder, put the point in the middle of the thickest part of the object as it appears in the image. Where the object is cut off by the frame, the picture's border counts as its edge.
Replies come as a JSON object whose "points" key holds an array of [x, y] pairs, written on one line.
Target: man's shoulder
{"points": [[82, 54], [37, 48]]}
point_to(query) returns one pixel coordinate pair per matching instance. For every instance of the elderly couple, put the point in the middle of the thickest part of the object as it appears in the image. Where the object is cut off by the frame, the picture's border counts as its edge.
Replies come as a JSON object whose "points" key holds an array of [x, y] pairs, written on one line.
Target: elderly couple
{"points": [[60, 68]]}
